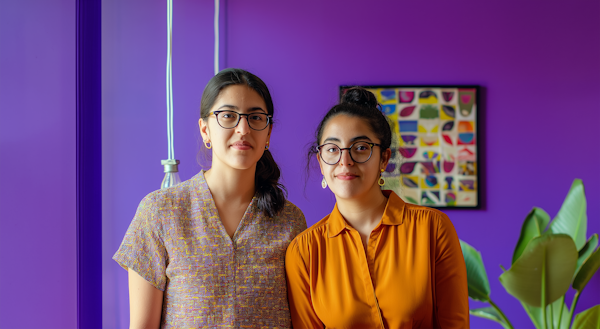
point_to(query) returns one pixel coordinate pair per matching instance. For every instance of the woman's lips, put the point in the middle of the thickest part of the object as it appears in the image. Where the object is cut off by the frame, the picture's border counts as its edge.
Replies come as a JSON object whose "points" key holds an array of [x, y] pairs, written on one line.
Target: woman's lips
{"points": [[346, 176], [241, 145]]}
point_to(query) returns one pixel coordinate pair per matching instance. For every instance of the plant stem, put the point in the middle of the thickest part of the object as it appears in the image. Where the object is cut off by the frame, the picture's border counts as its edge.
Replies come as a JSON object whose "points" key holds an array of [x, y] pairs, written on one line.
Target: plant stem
{"points": [[562, 305], [501, 314], [551, 316], [543, 301], [572, 311]]}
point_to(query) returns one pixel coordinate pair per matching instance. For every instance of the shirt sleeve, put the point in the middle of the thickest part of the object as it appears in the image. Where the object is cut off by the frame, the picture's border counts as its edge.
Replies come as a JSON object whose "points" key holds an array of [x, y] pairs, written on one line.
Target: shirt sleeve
{"points": [[451, 290], [142, 249], [298, 284]]}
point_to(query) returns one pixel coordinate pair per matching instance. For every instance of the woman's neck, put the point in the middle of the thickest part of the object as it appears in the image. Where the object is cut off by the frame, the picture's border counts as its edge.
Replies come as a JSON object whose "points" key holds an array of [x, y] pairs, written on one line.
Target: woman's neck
{"points": [[230, 185], [363, 212]]}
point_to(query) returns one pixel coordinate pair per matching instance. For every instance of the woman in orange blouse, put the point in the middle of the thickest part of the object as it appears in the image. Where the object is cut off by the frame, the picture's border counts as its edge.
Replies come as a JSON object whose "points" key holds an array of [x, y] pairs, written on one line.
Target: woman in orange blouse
{"points": [[375, 261]]}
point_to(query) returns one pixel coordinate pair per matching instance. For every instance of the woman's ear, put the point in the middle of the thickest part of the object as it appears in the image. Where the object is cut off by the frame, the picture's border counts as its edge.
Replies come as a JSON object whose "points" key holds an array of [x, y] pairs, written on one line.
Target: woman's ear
{"points": [[385, 158], [204, 132], [320, 164], [269, 134]]}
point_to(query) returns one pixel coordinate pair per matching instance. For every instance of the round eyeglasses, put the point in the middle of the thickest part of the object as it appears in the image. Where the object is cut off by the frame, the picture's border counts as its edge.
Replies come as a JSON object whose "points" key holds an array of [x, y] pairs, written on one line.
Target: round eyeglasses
{"points": [[360, 152], [230, 119]]}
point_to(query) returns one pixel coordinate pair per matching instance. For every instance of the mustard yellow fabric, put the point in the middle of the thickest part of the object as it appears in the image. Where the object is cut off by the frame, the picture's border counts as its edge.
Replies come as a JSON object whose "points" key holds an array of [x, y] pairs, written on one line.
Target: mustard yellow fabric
{"points": [[412, 274]]}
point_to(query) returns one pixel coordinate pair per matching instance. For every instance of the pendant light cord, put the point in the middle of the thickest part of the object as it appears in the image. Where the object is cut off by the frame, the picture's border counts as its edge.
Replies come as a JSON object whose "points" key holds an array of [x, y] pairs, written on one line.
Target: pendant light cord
{"points": [[171, 150], [216, 36], [170, 79]]}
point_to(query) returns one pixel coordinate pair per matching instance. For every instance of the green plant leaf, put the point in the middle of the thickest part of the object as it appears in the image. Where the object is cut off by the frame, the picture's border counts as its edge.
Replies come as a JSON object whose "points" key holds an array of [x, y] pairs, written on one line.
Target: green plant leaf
{"points": [[586, 251], [572, 217], [533, 226], [477, 280], [535, 314], [552, 256], [587, 270], [489, 313], [588, 319]]}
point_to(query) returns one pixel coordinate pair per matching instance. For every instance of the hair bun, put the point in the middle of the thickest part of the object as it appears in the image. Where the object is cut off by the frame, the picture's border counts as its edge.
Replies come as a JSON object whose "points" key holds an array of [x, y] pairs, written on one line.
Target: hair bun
{"points": [[359, 96]]}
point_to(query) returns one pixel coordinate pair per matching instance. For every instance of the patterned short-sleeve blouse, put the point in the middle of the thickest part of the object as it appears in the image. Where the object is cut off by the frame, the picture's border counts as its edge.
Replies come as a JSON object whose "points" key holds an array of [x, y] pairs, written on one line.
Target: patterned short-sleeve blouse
{"points": [[177, 242]]}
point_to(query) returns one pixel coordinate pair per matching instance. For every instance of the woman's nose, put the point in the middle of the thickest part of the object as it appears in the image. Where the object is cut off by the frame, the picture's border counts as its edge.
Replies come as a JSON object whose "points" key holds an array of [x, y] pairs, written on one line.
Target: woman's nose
{"points": [[243, 126], [346, 159]]}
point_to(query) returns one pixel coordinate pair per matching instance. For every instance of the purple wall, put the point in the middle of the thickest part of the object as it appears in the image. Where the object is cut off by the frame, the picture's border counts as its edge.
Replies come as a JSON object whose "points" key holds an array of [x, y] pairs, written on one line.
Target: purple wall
{"points": [[538, 64], [134, 115], [37, 142]]}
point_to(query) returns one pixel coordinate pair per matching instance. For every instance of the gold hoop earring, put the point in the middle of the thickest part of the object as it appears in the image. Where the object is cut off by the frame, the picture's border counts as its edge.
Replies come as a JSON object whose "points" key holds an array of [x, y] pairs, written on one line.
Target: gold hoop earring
{"points": [[267, 146], [208, 145], [324, 183], [381, 181]]}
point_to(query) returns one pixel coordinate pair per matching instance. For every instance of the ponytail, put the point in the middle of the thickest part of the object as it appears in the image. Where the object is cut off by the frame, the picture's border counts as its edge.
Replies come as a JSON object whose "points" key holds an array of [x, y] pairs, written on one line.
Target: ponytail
{"points": [[270, 193]]}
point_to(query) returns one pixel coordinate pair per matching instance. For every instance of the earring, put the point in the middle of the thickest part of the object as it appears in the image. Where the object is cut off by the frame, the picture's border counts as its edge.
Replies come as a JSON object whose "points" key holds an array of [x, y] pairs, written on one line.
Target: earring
{"points": [[381, 181], [324, 183], [208, 145], [267, 146]]}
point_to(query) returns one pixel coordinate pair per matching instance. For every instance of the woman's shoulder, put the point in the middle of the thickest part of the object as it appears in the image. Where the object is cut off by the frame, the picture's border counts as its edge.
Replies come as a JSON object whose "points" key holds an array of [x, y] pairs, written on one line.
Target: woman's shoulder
{"points": [[418, 212], [436, 220], [315, 232], [171, 198], [292, 216], [290, 210]]}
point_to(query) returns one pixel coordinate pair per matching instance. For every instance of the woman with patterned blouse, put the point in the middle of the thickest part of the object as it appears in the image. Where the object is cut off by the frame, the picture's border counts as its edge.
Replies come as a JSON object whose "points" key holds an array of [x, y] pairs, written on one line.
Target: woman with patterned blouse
{"points": [[375, 261], [209, 252]]}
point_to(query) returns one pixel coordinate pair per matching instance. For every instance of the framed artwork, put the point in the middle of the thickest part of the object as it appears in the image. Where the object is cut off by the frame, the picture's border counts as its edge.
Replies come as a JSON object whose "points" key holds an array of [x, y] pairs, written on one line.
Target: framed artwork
{"points": [[435, 158]]}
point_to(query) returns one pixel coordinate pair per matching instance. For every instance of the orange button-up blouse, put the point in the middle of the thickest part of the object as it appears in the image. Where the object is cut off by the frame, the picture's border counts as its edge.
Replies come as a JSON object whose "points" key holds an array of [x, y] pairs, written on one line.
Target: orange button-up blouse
{"points": [[412, 274]]}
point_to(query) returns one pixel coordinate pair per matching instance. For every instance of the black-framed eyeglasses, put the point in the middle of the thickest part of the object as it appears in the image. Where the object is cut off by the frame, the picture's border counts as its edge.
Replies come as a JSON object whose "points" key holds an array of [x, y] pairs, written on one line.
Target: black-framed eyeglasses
{"points": [[360, 152], [230, 119]]}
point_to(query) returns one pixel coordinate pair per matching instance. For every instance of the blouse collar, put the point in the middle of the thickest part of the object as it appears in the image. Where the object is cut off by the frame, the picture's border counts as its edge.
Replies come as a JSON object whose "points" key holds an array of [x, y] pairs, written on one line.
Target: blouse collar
{"points": [[392, 215]]}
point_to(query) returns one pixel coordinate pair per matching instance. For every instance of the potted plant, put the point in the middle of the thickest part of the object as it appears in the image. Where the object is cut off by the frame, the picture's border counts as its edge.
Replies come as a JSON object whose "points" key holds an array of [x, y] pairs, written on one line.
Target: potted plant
{"points": [[550, 257]]}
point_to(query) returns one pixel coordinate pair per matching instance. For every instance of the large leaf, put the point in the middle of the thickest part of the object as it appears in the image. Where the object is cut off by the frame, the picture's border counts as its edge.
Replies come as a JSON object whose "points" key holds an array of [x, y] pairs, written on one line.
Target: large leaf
{"points": [[489, 313], [533, 226], [552, 314], [587, 270], [535, 314], [477, 280], [565, 320], [588, 319], [572, 217], [586, 251], [546, 266]]}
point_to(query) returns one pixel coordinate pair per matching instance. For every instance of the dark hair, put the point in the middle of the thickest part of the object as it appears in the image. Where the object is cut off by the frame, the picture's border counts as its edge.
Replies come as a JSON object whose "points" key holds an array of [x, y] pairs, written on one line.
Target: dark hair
{"points": [[356, 102], [270, 193]]}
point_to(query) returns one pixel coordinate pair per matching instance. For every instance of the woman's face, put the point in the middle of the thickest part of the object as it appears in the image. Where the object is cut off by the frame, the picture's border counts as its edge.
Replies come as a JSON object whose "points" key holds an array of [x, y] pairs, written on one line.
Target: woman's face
{"points": [[240, 147], [348, 179]]}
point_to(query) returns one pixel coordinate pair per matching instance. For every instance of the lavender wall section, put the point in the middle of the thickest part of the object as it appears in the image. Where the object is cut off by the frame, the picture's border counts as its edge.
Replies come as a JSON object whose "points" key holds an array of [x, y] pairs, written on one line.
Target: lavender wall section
{"points": [[538, 64], [134, 125], [37, 141]]}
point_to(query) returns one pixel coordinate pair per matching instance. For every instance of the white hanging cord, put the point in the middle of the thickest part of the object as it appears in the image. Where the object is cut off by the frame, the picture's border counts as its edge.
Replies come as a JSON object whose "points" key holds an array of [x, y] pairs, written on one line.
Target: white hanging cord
{"points": [[216, 37], [170, 79]]}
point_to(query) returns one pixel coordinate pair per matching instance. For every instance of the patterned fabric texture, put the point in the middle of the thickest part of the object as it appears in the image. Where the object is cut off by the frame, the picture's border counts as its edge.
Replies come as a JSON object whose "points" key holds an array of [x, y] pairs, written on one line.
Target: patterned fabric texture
{"points": [[177, 242]]}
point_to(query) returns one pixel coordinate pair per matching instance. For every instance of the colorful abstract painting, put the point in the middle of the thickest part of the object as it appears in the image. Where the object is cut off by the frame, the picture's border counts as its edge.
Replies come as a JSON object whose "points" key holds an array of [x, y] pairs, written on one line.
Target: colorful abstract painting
{"points": [[434, 153]]}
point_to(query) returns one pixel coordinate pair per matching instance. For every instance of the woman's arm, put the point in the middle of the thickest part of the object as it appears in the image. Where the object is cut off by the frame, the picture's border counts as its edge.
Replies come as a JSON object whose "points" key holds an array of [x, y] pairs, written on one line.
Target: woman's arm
{"points": [[299, 296], [451, 291], [145, 303]]}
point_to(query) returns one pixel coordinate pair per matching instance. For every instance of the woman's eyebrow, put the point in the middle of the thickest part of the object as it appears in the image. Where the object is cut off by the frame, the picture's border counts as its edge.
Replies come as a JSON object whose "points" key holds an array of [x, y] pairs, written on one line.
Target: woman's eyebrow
{"points": [[257, 108], [359, 138], [233, 107], [335, 139]]}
